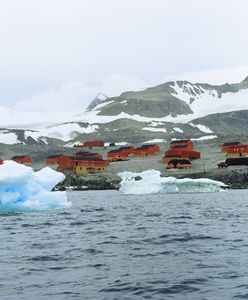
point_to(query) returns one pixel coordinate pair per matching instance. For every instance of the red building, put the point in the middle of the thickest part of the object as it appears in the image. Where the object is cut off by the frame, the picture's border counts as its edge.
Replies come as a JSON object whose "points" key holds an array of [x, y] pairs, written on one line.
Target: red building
{"points": [[225, 146], [120, 154], [127, 149], [146, 150], [81, 165], [183, 153], [238, 150], [181, 149], [117, 155], [181, 144], [91, 144], [1, 161], [88, 154], [22, 159], [52, 159]]}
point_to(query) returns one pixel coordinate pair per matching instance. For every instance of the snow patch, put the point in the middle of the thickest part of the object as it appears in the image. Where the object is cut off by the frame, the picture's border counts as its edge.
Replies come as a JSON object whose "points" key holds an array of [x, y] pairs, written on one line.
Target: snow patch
{"points": [[101, 105], [117, 144], [155, 141], [206, 137], [202, 128], [178, 129], [154, 129], [65, 132], [8, 138]]}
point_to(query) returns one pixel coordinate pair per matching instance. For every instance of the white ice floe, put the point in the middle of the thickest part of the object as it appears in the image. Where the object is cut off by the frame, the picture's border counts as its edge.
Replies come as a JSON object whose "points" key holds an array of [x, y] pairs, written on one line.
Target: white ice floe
{"points": [[22, 189], [150, 182]]}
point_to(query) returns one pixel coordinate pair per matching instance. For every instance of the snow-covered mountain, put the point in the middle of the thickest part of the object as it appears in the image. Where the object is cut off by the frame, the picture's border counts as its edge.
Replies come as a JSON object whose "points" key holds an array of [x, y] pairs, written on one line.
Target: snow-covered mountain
{"points": [[177, 102], [174, 109]]}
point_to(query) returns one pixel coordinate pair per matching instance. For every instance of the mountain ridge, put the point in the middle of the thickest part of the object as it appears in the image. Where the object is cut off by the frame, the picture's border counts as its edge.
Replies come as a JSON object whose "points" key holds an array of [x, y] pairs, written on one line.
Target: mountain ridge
{"points": [[172, 109]]}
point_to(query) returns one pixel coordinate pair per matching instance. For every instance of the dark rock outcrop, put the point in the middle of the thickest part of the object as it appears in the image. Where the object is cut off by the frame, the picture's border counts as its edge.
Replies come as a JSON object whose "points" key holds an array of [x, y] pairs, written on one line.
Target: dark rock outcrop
{"points": [[90, 182]]}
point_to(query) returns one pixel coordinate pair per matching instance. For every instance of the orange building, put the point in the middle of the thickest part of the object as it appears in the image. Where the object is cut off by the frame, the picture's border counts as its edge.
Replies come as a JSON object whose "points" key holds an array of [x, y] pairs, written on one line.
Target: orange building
{"points": [[146, 150]]}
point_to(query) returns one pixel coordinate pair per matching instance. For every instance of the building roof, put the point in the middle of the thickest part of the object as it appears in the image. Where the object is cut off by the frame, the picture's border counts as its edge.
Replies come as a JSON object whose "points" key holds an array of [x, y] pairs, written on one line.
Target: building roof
{"points": [[181, 146], [94, 141], [180, 141], [126, 148], [145, 147], [86, 153], [55, 156], [92, 158], [231, 143], [20, 156], [114, 151], [179, 161], [235, 161]]}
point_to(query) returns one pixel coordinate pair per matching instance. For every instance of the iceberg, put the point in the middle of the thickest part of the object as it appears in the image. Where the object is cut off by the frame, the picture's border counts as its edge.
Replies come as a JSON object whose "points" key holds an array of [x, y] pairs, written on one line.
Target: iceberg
{"points": [[151, 182], [23, 189]]}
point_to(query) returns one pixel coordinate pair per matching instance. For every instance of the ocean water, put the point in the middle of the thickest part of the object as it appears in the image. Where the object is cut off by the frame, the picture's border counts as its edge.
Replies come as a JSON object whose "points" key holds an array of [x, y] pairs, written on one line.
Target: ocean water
{"points": [[114, 246]]}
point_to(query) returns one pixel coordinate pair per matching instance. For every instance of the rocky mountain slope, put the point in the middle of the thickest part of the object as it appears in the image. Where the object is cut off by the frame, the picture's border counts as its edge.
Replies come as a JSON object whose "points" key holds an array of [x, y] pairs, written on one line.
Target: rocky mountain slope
{"points": [[177, 109]]}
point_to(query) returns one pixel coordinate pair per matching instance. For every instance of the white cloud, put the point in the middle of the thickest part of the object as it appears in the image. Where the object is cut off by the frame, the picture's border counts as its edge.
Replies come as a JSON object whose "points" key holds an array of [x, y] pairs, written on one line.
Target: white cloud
{"points": [[46, 43], [76, 96], [215, 76]]}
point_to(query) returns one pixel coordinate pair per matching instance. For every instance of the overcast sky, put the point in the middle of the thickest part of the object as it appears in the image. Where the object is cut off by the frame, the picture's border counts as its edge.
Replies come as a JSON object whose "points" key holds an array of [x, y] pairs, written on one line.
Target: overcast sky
{"points": [[58, 54]]}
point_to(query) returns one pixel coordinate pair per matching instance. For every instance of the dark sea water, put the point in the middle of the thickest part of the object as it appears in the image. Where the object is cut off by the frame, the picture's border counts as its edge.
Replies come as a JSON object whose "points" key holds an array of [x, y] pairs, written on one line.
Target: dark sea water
{"points": [[114, 246]]}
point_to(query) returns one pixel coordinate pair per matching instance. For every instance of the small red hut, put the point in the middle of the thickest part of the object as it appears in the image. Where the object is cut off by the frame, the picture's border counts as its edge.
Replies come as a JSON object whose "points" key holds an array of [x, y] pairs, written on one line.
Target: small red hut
{"points": [[179, 164], [22, 159], [1, 161]]}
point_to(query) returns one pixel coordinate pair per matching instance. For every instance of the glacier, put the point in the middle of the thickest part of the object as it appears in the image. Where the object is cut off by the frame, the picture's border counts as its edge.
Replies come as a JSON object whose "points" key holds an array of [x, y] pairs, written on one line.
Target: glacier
{"points": [[23, 189], [151, 182]]}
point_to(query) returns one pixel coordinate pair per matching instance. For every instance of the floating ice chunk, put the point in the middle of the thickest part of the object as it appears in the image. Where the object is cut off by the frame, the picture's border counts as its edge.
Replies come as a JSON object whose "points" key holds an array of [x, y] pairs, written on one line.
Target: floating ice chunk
{"points": [[22, 189], [150, 182]]}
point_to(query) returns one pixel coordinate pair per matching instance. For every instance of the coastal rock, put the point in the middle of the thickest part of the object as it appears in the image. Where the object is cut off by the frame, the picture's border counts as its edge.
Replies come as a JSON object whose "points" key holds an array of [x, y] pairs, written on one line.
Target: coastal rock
{"points": [[89, 182]]}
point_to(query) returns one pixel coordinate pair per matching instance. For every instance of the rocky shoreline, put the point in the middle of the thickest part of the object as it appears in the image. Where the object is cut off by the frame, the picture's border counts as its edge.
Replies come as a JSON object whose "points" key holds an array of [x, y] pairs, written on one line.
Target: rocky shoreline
{"points": [[90, 182], [233, 178]]}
